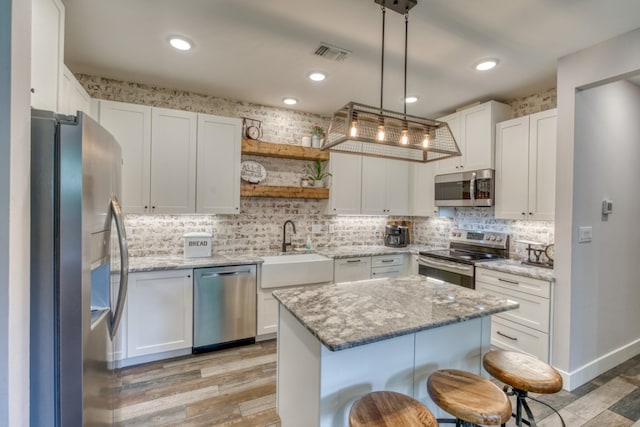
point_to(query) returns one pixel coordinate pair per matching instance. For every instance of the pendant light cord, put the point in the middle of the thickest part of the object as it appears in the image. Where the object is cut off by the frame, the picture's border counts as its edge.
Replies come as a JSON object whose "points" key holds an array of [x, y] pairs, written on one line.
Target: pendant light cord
{"points": [[406, 40], [384, 11]]}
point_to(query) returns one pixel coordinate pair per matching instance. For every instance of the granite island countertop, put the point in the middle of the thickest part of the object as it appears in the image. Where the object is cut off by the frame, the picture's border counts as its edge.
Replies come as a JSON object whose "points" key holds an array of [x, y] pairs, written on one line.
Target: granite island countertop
{"points": [[517, 267], [356, 313]]}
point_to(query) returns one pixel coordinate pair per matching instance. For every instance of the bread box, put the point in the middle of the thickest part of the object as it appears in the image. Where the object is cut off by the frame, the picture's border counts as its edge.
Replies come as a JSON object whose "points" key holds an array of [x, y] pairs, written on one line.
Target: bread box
{"points": [[197, 245]]}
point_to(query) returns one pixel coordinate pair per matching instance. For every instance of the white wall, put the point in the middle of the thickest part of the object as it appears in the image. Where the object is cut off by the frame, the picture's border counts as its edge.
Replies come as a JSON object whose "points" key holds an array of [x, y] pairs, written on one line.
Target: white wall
{"points": [[596, 324], [15, 76]]}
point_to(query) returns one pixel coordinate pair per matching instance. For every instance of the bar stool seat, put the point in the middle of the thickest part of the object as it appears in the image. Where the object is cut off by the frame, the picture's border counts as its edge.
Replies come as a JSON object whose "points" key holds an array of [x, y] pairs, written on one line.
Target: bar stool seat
{"points": [[522, 371], [390, 409], [523, 374], [469, 397]]}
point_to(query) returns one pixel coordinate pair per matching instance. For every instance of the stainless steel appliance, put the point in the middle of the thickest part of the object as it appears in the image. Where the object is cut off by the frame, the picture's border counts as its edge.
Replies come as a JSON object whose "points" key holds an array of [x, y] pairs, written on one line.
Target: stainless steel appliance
{"points": [[474, 188], [224, 307], [78, 269], [396, 236], [457, 264]]}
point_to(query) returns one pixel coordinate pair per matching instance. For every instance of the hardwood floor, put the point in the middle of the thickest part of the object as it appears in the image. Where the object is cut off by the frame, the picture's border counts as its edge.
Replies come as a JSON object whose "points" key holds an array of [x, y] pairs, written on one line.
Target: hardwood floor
{"points": [[236, 387]]}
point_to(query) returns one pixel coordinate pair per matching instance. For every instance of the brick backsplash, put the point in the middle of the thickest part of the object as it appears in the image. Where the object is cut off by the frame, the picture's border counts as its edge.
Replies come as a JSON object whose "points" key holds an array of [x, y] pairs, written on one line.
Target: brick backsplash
{"points": [[258, 227]]}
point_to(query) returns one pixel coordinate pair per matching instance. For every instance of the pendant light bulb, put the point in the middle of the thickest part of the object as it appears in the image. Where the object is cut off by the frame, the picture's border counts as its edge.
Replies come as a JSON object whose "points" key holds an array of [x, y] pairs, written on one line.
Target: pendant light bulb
{"points": [[354, 128], [404, 139], [380, 136], [425, 141]]}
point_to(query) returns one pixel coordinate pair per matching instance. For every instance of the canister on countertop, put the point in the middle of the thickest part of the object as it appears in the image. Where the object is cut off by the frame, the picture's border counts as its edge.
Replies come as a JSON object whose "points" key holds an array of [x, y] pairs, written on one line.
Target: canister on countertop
{"points": [[197, 245]]}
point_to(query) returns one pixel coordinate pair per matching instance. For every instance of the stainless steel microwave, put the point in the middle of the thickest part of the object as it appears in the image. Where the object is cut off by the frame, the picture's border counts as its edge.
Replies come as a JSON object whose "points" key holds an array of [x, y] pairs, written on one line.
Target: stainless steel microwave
{"points": [[474, 188]]}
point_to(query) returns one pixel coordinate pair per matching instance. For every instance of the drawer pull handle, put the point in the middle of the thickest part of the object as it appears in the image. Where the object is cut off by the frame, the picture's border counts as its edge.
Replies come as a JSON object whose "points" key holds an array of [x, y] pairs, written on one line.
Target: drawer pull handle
{"points": [[506, 336], [386, 260], [353, 260], [508, 281]]}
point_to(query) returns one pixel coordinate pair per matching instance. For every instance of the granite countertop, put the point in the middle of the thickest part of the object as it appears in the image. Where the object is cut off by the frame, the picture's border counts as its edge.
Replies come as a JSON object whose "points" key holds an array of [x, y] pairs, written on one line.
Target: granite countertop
{"points": [[373, 250], [175, 262], [517, 267], [356, 313]]}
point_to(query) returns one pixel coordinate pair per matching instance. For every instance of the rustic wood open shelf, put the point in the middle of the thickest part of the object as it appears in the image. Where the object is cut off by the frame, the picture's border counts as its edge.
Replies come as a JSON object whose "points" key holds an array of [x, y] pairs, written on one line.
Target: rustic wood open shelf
{"points": [[283, 151], [253, 190]]}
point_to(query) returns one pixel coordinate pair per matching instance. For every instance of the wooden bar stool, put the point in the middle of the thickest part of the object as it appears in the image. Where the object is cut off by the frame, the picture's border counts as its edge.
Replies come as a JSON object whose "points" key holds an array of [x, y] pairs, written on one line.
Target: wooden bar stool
{"points": [[390, 409], [473, 400], [523, 374]]}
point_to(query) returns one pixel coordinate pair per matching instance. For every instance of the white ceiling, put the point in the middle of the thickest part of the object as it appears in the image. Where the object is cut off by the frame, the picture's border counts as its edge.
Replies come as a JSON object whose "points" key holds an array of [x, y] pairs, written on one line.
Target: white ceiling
{"points": [[262, 50]]}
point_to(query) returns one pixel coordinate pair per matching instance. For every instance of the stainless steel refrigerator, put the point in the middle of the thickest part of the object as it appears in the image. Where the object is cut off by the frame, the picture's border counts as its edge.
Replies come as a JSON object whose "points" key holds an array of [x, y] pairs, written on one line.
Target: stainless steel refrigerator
{"points": [[78, 270]]}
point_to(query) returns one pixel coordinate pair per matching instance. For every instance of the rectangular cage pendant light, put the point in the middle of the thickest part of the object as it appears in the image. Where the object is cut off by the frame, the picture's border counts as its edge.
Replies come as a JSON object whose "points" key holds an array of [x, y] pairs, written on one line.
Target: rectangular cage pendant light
{"points": [[371, 131]]}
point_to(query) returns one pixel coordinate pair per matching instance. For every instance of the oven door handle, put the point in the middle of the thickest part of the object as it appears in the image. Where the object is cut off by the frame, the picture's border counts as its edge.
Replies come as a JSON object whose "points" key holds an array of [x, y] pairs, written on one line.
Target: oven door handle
{"points": [[431, 263]]}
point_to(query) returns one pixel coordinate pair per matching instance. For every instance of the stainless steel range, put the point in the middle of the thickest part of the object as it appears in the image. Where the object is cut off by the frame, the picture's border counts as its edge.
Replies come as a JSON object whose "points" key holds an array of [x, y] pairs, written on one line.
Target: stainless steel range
{"points": [[466, 247]]}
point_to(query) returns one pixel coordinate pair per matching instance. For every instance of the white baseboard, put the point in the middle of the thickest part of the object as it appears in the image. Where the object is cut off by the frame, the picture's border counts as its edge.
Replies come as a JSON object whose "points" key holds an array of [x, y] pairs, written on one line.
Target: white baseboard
{"points": [[588, 371]]}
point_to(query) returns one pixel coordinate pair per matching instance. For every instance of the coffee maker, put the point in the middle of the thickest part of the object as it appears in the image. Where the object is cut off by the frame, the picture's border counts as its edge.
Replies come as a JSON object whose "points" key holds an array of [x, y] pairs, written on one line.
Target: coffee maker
{"points": [[396, 236]]}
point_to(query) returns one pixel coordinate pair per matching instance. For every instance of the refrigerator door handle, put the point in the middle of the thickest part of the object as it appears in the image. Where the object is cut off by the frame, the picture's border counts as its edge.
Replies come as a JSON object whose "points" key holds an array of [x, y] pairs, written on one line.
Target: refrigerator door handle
{"points": [[124, 266]]}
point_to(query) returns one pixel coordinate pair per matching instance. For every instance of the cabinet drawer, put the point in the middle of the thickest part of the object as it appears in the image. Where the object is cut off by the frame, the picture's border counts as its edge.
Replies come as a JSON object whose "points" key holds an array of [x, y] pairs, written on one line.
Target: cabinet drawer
{"points": [[528, 285], [508, 335], [387, 260], [390, 271], [352, 269], [533, 311]]}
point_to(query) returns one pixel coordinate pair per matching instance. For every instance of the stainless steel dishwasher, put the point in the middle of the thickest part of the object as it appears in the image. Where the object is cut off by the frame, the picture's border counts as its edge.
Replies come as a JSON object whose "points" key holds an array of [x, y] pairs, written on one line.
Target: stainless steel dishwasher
{"points": [[224, 307]]}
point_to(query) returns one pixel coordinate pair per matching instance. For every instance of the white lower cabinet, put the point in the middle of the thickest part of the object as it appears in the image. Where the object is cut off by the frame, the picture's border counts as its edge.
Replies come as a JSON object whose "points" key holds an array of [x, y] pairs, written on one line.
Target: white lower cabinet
{"points": [[159, 312], [370, 267], [387, 266], [267, 313], [528, 328], [352, 269]]}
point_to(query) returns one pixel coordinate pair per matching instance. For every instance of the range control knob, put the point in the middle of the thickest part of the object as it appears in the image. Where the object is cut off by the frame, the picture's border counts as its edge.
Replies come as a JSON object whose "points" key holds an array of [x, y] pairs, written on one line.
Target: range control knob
{"points": [[499, 239]]}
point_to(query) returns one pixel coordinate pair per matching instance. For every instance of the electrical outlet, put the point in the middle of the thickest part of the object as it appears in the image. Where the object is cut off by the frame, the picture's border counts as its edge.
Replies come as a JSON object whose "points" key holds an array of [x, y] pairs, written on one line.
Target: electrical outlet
{"points": [[585, 234], [316, 228], [332, 228]]}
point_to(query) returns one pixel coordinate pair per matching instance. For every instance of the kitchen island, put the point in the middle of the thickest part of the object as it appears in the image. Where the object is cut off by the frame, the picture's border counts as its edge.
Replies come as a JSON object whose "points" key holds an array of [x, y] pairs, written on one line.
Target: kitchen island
{"points": [[339, 342]]}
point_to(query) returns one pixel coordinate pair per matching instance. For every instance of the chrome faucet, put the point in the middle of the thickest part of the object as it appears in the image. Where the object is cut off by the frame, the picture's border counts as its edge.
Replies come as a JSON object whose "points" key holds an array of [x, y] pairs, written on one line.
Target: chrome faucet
{"points": [[284, 234]]}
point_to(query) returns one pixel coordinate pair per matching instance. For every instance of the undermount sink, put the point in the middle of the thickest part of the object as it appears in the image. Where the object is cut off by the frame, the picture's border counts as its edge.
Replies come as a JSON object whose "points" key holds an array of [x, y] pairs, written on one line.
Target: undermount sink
{"points": [[296, 269]]}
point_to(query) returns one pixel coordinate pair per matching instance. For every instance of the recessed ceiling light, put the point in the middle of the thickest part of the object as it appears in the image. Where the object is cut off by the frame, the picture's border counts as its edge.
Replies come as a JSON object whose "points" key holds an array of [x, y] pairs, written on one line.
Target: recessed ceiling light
{"points": [[290, 101], [180, 43], [486, 65], [317, 76], [411, 99]]}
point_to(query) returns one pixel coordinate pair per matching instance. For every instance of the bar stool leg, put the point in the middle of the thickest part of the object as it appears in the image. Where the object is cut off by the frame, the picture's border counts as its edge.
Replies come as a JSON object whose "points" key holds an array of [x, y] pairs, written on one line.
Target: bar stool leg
{"points": [[521, 402]]}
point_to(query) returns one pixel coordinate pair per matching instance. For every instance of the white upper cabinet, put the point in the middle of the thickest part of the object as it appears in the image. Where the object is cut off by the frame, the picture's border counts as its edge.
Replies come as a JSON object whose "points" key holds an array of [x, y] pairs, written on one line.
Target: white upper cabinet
{"points": [[526, 167], [74, 97], [218, 172], [474, 131], [47, 54], [130, 124], [385, 186], [345, 184], [173, 161], [422, 189]]}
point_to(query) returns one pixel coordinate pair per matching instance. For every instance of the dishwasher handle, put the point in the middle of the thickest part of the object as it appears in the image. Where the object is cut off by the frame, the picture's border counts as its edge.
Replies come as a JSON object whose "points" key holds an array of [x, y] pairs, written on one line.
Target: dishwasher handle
{"points": [[225, 273]]}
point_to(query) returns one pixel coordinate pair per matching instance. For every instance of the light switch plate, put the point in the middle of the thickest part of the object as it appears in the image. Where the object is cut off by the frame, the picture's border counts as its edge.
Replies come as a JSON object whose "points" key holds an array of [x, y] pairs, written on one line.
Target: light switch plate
{"points": [[585, 234], [316, 228], [332, 228]]}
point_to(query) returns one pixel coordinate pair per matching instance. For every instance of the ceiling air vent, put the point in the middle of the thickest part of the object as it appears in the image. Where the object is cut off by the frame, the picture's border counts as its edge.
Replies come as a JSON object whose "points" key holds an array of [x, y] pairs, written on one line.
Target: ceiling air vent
{"points": [[333, 53]]}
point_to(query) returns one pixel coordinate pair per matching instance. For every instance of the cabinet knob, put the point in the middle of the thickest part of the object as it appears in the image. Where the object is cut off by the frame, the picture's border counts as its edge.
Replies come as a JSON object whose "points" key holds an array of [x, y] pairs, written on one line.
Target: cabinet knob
{"points": [[153, 207], [33, 90], [530, 213], [146, 207], [523, 213], [188, 276]]}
